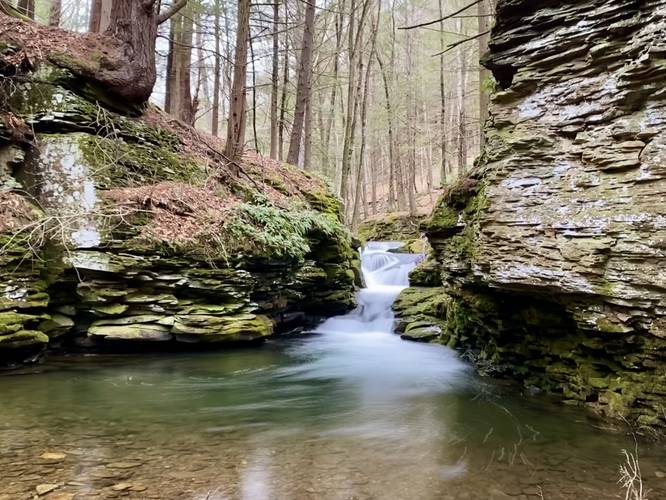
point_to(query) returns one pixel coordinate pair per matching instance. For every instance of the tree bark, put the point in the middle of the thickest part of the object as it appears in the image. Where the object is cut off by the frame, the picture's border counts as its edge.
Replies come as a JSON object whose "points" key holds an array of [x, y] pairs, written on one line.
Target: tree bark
{"points": [[275, 77], [353, 91], [484, 27], [442, 98], [236, 122], [55, 13], [178, 98], [360, 181], [307, 137], [326, 146], [283, 96], [215, 119], [304, 85]]}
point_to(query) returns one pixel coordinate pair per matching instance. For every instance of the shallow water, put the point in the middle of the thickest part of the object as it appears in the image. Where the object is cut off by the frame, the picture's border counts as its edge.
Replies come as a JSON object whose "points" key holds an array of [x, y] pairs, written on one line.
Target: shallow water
{"points": [[350, 412]]}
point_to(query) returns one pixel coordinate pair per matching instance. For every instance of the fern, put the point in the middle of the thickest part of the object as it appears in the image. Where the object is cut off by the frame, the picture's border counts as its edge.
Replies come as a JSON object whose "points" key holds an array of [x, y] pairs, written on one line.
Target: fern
{"points": [[269, 231]]}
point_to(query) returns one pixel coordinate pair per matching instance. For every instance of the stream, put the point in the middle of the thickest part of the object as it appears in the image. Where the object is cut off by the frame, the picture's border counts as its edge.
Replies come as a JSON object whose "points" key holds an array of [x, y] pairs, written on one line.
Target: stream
{"points": [[349, 411]]}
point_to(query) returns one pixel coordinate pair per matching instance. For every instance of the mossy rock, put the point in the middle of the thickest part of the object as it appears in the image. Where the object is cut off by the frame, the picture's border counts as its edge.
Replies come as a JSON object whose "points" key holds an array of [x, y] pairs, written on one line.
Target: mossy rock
{"points": [[135, 332], [23, 338], [397, 226]]}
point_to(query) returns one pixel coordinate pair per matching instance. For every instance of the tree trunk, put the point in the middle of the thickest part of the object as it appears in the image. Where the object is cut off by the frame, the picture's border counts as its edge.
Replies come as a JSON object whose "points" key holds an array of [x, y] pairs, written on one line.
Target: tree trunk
{"points": [[307, 137], [55, 13], [391, 143], [353, 93], [326, 143], [134, 24], [171, 85], [236, 122], [360, 181], [484, 26], [275, 77], [285, 81], [100, 15], [27, 8], [304, 85], [442, 98], [215, 119], [178, 99], [255, 138]]}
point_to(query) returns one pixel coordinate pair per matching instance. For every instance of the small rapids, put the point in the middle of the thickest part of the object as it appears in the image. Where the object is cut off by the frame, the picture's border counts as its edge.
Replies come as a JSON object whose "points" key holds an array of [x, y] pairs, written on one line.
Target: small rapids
{"points": [[361, 346]]}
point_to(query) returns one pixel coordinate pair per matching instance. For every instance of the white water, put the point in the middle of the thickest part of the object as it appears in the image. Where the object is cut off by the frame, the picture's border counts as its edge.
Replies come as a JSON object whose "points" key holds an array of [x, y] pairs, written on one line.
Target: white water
{"points": [[362, 348]]}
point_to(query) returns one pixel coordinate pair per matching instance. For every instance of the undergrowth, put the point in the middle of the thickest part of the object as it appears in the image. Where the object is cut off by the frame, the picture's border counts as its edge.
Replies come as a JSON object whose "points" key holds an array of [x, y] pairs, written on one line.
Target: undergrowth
{"points": [[270, 231], [250, 231]]}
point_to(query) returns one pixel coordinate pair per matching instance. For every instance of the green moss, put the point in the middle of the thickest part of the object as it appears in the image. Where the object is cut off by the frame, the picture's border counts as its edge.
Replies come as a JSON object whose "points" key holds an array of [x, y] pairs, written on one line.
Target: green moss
{"points": [[23, 338], [396, 226], [324, 201], [117, 163]]}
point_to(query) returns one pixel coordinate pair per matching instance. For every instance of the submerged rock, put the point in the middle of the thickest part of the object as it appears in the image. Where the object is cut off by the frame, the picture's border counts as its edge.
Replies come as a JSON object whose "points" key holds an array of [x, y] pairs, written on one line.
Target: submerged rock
{"points": [[552, 251]]}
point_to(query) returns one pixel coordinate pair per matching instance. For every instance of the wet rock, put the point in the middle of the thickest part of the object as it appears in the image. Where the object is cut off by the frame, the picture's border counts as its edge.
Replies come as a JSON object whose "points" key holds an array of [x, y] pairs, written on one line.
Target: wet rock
{"points": [[43, 489], [53, 456], [552, 250], [104, 280], [123, 465], [121, 487]]}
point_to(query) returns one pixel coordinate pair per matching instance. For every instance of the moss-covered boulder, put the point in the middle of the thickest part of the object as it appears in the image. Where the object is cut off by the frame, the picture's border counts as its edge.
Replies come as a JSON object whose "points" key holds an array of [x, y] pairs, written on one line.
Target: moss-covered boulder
{"points": [[421, 313], [145, 235]]}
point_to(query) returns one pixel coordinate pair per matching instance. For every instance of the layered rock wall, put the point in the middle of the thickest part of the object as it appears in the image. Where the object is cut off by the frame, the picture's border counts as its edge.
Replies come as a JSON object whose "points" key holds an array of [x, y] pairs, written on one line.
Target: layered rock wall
{"points": [[116, 229], [553, 251]]}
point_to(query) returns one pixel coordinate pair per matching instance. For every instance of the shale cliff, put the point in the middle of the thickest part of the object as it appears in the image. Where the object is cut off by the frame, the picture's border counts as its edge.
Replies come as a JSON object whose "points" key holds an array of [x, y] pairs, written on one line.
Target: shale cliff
{"points": [[552, 253], [118, 230]]}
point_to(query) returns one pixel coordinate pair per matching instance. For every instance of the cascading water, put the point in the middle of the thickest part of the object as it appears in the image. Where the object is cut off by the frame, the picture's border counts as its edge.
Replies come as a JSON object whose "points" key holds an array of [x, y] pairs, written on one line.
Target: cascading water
{"points": [[361, 346]]}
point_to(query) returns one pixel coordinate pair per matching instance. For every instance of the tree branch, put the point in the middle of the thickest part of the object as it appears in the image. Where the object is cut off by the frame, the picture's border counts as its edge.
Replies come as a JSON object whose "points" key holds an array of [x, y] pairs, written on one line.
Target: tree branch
{"points": [[171, 11], [454, 45], [449, 16], [8, 9]]}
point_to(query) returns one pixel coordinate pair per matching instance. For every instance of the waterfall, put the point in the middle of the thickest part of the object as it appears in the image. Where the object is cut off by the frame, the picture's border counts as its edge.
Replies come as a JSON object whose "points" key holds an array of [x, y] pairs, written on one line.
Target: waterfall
{"points": [[360, 347]]}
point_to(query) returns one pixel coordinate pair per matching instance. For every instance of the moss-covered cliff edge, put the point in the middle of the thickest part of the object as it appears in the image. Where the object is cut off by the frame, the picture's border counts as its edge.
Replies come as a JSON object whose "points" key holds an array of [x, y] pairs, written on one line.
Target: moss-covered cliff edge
{"points": [[118, 229], [552, 253]]}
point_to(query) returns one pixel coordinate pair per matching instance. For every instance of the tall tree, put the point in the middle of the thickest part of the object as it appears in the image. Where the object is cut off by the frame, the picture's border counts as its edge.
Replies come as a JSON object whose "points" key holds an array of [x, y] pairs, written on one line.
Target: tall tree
{"points": [[442, 97], [303, 87], [275, 77], [236, 122], [55, 12], [217, 77], [484, 13], [178, 99], [355, 61]]}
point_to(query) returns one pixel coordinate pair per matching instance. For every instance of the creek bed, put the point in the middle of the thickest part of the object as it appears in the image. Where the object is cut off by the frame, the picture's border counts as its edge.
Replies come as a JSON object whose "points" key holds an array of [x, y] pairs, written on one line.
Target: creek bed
{"points": [[349, 412]]}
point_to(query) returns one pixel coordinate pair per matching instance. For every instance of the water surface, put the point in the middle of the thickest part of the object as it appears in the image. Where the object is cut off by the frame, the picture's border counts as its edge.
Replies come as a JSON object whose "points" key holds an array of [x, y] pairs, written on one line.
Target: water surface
{"points": [[349, 412]]}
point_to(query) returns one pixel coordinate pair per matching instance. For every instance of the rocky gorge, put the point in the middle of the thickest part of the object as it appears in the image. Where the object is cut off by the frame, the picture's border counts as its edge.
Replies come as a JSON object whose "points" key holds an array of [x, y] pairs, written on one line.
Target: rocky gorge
{"points": [[549, 256], [120, 230]]}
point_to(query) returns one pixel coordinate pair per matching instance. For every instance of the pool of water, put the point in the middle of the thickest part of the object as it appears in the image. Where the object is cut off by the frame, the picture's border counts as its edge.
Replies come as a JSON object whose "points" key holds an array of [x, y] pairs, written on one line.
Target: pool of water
{"points": [[348, 412]]}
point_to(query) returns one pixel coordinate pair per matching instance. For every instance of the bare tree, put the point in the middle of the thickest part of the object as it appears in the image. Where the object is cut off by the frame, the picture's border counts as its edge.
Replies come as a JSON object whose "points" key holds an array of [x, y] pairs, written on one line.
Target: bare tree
{"points": [[217, 77], [236, 122], [304, 84], [55, 13], [275, 77]]}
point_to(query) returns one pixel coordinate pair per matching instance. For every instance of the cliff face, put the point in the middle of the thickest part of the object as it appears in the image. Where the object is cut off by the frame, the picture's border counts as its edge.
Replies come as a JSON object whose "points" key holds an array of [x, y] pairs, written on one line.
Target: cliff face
{"points": [[553, 251], [118, 229]]}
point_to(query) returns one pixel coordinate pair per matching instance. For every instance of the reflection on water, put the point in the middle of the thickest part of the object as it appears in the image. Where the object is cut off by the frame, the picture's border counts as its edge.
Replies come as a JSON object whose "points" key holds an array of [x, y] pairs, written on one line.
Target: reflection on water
{"points": [[348, 412]]}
